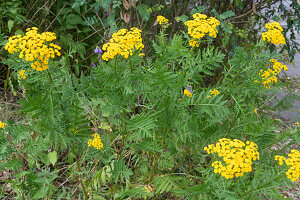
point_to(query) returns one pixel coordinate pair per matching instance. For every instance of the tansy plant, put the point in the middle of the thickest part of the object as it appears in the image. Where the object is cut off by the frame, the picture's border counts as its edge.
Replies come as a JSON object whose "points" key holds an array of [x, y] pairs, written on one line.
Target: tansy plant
{"points": [[126, 128]]}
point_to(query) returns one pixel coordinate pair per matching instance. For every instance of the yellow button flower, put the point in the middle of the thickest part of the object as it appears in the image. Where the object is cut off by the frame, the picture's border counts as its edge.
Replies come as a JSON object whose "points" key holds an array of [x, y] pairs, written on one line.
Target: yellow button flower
{"points": [[236, 157], [122, 43], [33, 47], [273, 34], [96, 142], [293, 161], [200, 26], [162, 20], [2, 125]]}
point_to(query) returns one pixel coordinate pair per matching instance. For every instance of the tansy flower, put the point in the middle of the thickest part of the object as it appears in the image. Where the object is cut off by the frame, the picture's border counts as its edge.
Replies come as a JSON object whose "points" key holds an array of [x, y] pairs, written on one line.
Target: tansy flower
{"points": [[21, 74], [214, 92], [293, 161], [188, 91], [297, 124], [162, 20], [35, 48], [122, 43], [96, 142], [200, 26], [236, 157], [2, 125], [269, 76], [274, 34]]}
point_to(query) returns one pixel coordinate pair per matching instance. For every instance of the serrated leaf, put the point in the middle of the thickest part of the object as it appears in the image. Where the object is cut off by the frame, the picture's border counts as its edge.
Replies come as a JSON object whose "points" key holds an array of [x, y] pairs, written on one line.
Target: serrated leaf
{"points": [[120, 171]]}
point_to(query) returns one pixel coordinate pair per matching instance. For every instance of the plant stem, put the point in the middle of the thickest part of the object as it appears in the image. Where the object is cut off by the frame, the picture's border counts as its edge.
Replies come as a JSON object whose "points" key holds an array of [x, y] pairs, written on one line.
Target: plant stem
{"points": [[79, 169], [183, 156], [130, 65]]}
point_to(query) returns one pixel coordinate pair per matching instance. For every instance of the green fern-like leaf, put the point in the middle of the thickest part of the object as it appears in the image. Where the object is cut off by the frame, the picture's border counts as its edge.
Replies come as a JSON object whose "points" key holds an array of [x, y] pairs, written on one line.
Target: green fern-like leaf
{"points": [[142, 125], [120, 171], [165, 183]]}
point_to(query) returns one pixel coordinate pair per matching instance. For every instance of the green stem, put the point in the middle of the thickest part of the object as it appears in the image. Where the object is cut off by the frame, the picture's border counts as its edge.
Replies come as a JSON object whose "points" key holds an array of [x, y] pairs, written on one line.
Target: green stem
{"points": [[130, 65], [116, 67], [50, 92], [79, 169], [6, 81], [181, 159], [50, 77], [155, 160]]}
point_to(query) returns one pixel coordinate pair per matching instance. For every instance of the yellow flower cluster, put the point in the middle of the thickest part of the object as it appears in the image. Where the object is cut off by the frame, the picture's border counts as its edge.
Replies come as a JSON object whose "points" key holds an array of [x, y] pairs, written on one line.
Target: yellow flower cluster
{"points": [[274, 34], [214, 92], [2, 125], [297, 124], [294, 162], [22, 74], [199, 26], [236, 155], [33, 48], [96, 142], [162, 20], [269, 76], [122, 43]]}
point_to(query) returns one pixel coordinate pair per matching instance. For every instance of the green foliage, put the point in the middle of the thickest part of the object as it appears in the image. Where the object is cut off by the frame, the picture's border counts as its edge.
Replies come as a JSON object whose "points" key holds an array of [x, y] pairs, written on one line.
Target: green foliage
{"points": [[153, 134], [142, 9]]}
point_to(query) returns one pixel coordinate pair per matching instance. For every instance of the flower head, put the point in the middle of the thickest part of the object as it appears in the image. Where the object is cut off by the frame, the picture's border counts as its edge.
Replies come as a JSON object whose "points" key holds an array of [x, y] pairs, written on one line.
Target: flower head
{"points": [[2, 125], [214, 92], [269, 76], [200, 26], [122, 43], [22, 74], [34, 47], [273, 34], [96, 142], [293, 161], [162, 20], [236, 157]]}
